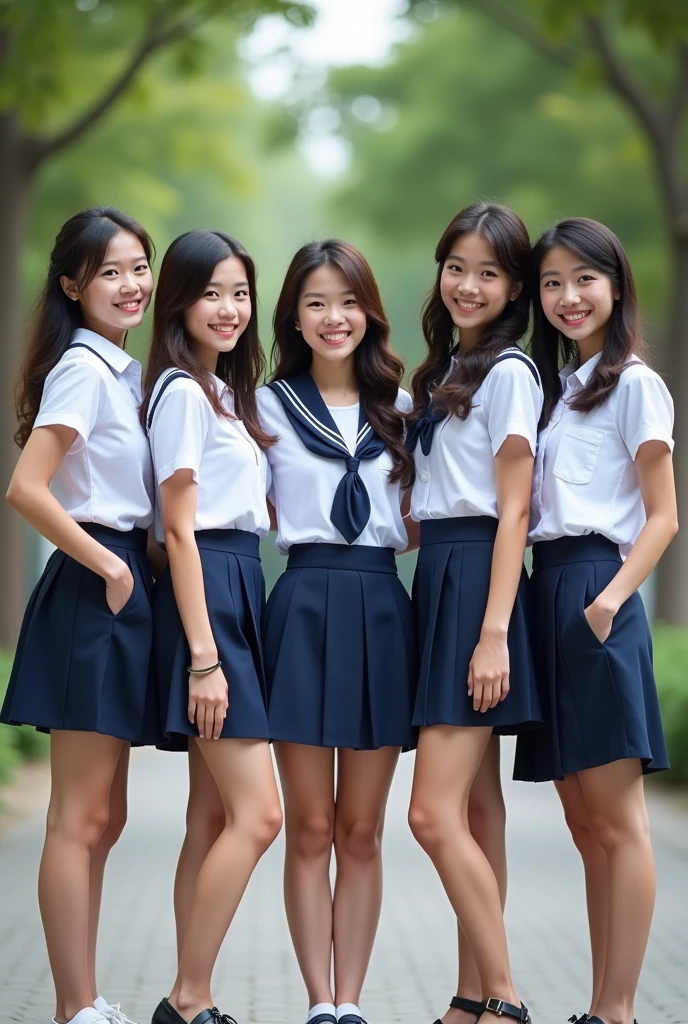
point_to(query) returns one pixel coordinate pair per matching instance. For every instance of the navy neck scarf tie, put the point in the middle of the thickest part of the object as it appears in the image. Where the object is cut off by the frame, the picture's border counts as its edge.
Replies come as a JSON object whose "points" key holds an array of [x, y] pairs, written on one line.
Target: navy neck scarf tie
{"points": [[311, 419]]}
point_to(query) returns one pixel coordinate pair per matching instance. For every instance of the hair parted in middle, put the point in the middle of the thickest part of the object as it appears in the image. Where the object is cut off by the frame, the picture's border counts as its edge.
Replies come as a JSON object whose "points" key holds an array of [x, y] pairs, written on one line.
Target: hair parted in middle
{"points": [[508, 236], [379, 370], [186, 269]]}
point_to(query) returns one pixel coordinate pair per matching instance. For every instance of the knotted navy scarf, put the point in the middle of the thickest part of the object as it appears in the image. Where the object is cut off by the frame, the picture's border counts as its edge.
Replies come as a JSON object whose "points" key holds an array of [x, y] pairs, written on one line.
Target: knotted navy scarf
{"points": [[423, 429], [311, 419]]}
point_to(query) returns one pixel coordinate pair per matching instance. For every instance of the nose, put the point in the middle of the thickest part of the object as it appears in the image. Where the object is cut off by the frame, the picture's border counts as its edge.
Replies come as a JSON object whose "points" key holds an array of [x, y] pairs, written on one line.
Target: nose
{"points": [[334, 316], [468, 285], [227, 310], [569, 296], [128, 284]]}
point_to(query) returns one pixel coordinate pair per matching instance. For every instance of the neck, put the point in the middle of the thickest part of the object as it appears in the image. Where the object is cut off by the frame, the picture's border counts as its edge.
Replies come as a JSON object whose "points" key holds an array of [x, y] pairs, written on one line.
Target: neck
{"points": [[112, 334], [206, 356], [336, 379], [468, 339], [589, 347]]}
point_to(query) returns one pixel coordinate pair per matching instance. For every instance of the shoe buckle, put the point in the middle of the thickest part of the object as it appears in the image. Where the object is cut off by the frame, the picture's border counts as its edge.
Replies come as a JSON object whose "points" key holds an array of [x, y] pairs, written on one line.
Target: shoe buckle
{"points": [[494, 1006]]}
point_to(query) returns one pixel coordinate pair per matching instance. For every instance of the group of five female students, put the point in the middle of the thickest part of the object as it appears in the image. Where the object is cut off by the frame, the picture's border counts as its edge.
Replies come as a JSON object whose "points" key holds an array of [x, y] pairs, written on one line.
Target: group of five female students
{"points": [[493, 448]]}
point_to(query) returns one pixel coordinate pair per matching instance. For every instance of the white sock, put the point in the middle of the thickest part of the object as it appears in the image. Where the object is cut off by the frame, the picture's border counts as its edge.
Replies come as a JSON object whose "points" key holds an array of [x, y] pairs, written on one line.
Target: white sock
{"points": [[89, 1015], [345, 1008], [102, 1005], [321, 1008]]}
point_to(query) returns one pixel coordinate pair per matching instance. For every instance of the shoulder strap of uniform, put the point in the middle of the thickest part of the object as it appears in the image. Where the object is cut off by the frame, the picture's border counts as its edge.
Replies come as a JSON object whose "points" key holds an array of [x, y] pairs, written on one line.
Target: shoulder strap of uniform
{"points": [[175, 375], [80, 344], [513, 354]]}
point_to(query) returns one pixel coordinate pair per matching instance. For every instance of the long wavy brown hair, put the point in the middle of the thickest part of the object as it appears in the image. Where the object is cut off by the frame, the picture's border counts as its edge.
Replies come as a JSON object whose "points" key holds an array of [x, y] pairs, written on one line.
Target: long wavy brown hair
{"points": [[507, 235], [379, 370], [601, 250], [186, 269], [78, 252]]}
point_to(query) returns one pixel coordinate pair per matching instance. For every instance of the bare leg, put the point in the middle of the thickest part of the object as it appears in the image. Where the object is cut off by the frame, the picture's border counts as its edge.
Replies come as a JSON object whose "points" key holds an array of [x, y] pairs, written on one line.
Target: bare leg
{"points": [[616, 802], [363, 781], [117, 819], [243, 774], [205, 820], [447, 762], [596, 867], [487, 822], [307, 776], [82, 766]]}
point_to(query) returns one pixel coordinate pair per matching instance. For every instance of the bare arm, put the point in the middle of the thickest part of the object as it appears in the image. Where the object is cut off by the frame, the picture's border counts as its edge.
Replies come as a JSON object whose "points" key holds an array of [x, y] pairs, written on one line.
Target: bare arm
{"points": [[30, 495], [157, 556], [412, 527], [656, 477], [272, 512], [488, 676], [208, 694]]}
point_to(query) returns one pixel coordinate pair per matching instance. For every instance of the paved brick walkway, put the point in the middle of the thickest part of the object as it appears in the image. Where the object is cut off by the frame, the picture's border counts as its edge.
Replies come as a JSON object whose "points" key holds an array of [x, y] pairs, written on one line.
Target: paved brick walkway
{"points": [[413, 968]]}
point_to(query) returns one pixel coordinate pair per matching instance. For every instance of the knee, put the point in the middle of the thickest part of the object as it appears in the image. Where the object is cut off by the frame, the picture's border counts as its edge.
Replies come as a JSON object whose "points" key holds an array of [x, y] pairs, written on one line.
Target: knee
{"points": [[312, 836], [266, 827], [612, 832], [425, 824], [486, 816], [85, 825], [117, 819], [359, 840], [204, 824], [582, 832]]}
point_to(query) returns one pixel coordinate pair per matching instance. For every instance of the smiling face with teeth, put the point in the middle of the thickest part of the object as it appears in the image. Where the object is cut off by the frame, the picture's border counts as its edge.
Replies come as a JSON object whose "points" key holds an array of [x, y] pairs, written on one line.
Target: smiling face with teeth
{"points": [[216, 321], [116, 298], [329, 316], [474, 287], [576, 298]]}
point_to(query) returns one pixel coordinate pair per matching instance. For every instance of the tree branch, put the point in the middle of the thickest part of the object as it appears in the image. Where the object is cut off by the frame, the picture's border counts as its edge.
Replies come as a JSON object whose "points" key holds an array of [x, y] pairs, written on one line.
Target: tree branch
{"points": [[519, 26], [156, 38], [649, 115]]}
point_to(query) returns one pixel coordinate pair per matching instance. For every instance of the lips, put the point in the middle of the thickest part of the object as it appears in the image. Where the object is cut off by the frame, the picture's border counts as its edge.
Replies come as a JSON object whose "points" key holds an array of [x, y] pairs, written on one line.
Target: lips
{"points": [[130, 306], [335, 337], [227, 330], [575, 318], [468, 307]]}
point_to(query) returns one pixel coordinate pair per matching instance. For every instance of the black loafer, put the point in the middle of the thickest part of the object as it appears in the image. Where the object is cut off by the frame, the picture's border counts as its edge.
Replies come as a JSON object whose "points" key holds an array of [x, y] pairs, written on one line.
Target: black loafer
{"points": [[350, 1018], [323, 1018], [165, 1013]]}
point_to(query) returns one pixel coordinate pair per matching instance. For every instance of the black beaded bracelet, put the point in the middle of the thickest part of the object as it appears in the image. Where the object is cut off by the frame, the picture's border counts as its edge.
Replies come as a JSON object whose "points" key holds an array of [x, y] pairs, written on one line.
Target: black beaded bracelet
{"points": [[203, 671]]}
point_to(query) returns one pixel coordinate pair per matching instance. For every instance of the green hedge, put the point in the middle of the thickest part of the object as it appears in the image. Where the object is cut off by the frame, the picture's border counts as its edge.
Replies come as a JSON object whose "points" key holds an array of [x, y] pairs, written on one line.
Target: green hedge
{"points": [[671, 669], [16, 744]]}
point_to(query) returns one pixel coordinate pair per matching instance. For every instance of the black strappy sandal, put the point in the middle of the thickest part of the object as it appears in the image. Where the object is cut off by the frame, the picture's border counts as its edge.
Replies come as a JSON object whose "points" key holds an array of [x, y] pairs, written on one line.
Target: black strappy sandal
{"points": [[503, 1009], [468, 1005], [586, 1019]]}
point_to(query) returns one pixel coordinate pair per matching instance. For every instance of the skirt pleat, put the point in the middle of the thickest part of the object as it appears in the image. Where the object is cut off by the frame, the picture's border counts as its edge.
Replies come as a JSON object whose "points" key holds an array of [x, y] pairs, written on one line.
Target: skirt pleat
{"points": [[450, 592], [235, 598], [339, 650], [79, 667], [600, 699]]}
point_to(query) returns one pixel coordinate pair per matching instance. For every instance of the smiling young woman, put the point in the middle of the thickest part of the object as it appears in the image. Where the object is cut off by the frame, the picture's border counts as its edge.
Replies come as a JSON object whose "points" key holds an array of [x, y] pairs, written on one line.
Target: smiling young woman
{"points": [[603, 513], [84, 480], [339, 648]]}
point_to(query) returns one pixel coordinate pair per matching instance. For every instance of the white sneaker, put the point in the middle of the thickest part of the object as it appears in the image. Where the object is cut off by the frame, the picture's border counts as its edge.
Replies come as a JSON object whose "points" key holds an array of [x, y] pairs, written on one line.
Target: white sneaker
{"points": [[116, 1015], [89, 1015]]}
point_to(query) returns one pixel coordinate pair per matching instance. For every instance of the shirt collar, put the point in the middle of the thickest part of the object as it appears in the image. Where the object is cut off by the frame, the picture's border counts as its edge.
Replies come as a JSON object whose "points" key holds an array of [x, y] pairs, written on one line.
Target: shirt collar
{"points": [[115, 357], [581, 373]]}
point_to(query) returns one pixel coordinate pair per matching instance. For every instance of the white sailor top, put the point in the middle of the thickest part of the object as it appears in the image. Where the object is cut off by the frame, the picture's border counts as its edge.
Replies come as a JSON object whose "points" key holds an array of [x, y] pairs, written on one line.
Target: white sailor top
{"points": [[456, 477], [228, 466], [106, 476], [585, 480], [305, 486]]}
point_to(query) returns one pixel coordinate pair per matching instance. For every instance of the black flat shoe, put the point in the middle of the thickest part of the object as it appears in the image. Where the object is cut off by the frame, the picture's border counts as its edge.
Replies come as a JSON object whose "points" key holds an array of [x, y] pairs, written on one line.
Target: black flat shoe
{"points": [[503, 1009], [349, 1018], [323, 1018], [165, 1013], [468, 1005]]}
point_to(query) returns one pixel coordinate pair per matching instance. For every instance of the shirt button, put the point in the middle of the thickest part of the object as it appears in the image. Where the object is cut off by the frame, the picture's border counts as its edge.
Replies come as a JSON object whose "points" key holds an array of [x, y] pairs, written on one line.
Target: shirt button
{"points": [[425, 477]]}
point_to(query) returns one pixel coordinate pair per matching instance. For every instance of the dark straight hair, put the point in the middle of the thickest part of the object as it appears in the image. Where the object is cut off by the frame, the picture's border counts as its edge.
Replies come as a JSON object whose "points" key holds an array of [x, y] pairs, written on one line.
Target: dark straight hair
{"points": [[379, 370], [507, 235], [186, 269], [600, 249], [78, 252]]}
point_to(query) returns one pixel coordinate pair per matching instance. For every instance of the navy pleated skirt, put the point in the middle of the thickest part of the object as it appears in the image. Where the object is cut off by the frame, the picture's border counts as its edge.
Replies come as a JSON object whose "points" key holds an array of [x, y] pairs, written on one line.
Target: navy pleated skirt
{"points": [[450, 591], [600, 700], [77, 665], [340, 655], [235, 597]]}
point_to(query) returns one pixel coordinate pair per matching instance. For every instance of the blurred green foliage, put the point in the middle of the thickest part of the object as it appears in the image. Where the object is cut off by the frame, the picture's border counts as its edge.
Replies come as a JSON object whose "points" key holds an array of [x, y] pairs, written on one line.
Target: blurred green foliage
{"points": [[17, 743], [671, 669]]}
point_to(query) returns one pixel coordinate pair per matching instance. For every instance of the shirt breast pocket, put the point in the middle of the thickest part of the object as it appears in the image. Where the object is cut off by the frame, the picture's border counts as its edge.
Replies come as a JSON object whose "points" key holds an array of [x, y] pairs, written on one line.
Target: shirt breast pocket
{"points": [[576, 459]]}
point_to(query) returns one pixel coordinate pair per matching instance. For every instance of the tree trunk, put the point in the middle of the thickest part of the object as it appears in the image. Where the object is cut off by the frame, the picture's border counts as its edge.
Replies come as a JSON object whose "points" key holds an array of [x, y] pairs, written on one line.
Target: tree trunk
{"points": [[15, 184]]}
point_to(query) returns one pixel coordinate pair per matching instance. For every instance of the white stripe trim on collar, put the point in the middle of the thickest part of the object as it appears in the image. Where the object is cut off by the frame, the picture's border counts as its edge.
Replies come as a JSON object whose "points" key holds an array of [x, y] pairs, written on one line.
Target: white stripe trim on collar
{"points": [[326, 432]]}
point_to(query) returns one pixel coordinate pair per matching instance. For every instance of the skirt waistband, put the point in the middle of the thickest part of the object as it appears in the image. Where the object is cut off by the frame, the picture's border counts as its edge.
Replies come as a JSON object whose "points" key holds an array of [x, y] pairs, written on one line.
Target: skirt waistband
{"points": [[133, 540], [235, 542], [590, 547], [359, 557], [457, 529]]}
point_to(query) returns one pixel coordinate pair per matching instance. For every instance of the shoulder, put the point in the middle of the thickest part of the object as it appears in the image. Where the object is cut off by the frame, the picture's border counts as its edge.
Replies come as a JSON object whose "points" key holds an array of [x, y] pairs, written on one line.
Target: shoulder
{"points": [[178, 389], [268, 402], [404, 402], [639, 383], [513, 364], [76, 370]]}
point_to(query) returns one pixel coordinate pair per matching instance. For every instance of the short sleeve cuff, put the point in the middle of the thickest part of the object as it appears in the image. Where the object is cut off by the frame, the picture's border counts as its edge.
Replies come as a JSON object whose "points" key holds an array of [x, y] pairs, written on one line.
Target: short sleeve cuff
{"points": [[182, 460], [650, 433], [518, 428], [63, 419]]}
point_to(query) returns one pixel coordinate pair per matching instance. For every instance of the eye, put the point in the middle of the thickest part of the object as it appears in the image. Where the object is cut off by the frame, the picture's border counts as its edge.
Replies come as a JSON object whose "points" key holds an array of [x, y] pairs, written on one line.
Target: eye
{"points": [[454, 267], [489, 273], [109, 272], [350, 302], [241, 294], [142, 267], [586, 277], [314, 304], [550, 283], [210, 294]]}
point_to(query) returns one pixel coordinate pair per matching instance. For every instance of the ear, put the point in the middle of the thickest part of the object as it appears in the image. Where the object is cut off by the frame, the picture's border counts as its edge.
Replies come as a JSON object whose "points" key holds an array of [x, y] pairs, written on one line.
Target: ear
{"points": [[297, 325], [617, 295], [69, 288], [516, 291]]}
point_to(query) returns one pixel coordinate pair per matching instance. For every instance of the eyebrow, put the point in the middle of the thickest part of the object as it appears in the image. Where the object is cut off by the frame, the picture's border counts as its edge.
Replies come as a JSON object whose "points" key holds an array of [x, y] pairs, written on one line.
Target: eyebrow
{"points": [[483, 263], [558, 273], [117, 263], [320, 295], [218, 284]]}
